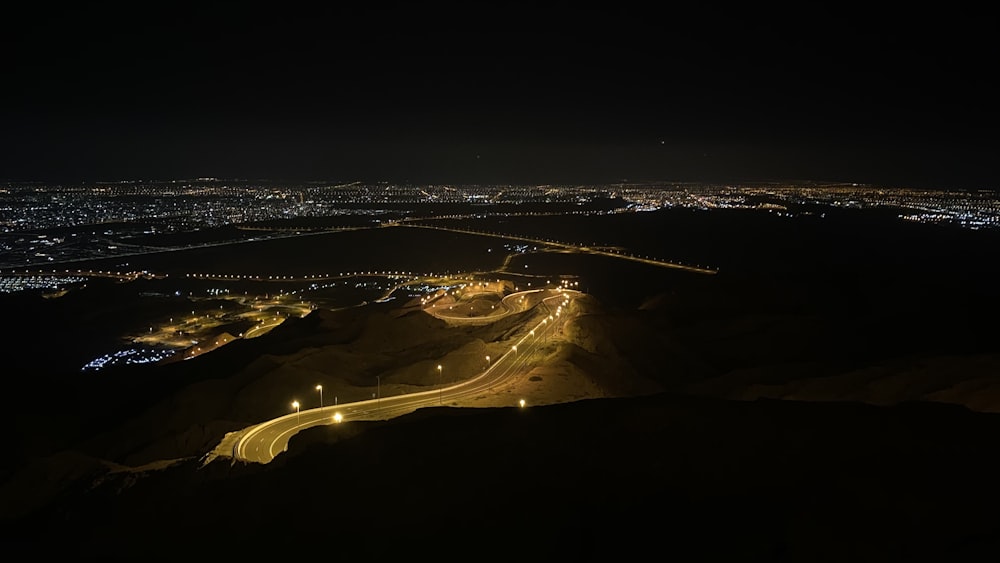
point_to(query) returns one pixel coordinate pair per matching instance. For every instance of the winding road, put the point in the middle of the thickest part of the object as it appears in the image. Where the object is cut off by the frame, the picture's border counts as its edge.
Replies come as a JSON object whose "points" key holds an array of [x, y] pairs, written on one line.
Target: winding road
{"points": [[263, 442]]}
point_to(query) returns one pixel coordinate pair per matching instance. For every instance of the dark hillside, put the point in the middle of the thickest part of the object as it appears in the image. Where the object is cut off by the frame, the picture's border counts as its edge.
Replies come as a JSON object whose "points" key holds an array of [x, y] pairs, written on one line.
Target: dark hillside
{"points": [[665, 475]]}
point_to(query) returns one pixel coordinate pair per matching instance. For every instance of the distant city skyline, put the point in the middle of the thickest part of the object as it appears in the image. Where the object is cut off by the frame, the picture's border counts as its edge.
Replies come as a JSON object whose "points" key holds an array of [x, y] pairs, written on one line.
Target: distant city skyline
{"points": [[43, 225]]}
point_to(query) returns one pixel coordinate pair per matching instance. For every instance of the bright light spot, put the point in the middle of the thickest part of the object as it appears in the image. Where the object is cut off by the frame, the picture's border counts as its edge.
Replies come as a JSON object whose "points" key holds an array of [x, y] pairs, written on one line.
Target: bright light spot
{"points": [[338, 418], [522, 403]]}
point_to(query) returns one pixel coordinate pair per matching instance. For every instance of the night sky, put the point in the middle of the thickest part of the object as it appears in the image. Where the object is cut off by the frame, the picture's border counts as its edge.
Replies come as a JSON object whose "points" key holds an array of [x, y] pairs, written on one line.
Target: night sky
{"points": [[498, 94]]}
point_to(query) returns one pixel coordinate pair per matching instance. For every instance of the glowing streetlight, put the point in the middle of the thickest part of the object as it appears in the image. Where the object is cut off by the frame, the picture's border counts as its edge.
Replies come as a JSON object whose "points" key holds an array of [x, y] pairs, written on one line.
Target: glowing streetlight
{"points": [[295, 405], [487, 362], [441, 390], [320, 389], [514, 348], [521, 402], [338, 418]]}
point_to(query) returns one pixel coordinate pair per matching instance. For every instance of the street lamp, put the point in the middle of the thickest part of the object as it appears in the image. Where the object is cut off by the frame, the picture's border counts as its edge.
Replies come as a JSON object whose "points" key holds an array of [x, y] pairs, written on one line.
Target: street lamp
{"points": [[320, 389], [487, 362], [378, 391], [514, 348], [441, 379], [295, 405]]}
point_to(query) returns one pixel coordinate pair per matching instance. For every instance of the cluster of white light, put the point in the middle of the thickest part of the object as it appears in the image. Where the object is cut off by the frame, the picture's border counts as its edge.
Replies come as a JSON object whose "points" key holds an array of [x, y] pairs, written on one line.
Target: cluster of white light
{"points": [[967, 220], [21, 283], [99, 273], [128, 356]]}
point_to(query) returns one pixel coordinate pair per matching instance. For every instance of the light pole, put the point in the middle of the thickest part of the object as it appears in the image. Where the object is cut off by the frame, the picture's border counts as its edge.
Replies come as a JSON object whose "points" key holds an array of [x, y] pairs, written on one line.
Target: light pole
{"points": [[440, 390], [320, 389], [295, 405], [514, 348], [487, 362], [378, 391]]}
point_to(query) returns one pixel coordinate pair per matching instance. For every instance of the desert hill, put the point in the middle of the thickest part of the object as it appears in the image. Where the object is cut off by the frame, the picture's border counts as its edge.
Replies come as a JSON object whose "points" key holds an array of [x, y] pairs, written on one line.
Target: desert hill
{"points": [[715, 337], [722, 418], [142, 414], [664, 474]]}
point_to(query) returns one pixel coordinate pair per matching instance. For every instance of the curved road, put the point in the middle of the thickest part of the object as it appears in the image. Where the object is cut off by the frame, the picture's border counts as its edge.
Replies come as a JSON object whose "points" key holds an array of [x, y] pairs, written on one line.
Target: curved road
{"points": [[513, 303], [261, 443]]}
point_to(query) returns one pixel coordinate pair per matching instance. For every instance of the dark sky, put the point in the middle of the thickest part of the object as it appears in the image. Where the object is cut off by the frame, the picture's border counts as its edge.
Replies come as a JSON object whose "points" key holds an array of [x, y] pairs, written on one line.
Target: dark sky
{"points": [[494, 93]]}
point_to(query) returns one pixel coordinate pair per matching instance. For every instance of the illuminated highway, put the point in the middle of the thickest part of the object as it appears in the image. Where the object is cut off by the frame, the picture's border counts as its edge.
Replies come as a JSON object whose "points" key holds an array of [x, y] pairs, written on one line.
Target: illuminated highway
{"points": [[262, 327], [261, 443], [566, 247]]}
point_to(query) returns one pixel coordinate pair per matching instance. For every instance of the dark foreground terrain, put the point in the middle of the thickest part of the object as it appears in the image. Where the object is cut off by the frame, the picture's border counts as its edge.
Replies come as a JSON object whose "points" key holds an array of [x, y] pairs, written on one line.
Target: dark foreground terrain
{"points": [[662, 476]]}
